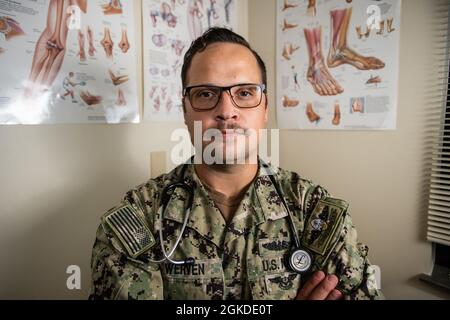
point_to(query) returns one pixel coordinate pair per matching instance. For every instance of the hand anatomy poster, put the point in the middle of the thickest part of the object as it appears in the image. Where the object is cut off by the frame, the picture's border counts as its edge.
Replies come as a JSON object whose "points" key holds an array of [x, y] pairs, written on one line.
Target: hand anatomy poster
{"points": [[67, 61], [169, 28], [337, 64]]}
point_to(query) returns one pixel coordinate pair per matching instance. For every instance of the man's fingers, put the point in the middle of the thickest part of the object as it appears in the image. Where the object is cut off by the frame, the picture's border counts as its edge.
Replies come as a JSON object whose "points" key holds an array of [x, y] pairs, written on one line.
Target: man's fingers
{"points": [[310, 285], [322, 291], [335, 295]]}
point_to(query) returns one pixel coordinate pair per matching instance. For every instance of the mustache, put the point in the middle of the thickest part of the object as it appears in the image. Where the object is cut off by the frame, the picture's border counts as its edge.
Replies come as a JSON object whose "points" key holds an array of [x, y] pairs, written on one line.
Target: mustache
{"points": [[231, 128]]}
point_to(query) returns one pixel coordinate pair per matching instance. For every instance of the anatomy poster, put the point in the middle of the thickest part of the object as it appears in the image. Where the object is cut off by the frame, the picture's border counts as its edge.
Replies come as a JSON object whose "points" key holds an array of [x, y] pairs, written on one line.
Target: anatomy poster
{"points": [[67, 61], [337, 64], [169, 28]]}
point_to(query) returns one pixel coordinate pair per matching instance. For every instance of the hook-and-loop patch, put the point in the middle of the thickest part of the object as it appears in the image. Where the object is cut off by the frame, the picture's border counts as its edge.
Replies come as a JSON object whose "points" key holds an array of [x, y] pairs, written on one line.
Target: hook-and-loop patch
{"points": [[131, 230], [323, 223]]}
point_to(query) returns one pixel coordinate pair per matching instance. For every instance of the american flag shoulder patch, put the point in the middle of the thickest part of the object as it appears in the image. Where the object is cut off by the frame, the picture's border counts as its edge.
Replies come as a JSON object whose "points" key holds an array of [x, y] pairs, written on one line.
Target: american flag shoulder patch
{"points": [[131, 229]]}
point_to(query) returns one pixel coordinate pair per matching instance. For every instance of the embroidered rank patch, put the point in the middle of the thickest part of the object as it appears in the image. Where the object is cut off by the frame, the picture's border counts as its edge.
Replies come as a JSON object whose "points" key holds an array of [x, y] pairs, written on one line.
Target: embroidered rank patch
{"points": [[130, 229], [323, 223]]}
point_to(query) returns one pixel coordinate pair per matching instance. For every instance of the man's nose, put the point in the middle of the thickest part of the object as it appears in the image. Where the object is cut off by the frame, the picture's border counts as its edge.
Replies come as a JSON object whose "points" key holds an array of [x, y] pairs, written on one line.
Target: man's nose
{"points": [[225, 109]]}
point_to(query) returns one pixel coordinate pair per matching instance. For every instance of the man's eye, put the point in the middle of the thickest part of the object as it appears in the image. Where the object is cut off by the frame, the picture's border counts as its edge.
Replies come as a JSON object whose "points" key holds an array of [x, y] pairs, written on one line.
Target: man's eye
{"points": [[244, 93], [205, 94]]}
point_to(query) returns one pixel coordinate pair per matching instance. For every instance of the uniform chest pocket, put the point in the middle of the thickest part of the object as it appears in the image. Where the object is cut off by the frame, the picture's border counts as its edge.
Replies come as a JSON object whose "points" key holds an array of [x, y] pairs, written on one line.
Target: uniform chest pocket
{"points": [[202, 280], [269, 278]]}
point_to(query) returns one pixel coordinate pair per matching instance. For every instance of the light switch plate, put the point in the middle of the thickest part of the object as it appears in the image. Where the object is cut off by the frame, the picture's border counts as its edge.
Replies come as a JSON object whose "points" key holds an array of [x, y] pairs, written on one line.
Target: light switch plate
{"points": [[158, 163]]}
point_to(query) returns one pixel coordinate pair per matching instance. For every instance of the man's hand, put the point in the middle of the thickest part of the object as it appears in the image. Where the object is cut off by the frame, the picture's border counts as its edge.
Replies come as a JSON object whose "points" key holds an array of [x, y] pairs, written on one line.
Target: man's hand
{"points": [[320, 287]]}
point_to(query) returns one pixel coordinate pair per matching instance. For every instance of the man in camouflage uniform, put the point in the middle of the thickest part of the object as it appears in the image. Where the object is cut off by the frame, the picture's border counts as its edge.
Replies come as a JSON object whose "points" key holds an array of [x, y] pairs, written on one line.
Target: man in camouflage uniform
{"points": [[238, 235]]}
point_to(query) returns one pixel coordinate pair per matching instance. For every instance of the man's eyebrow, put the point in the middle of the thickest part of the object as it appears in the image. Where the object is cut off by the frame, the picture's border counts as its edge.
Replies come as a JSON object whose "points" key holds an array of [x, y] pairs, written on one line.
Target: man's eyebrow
{"points": [[216, 85], [203, 84]]}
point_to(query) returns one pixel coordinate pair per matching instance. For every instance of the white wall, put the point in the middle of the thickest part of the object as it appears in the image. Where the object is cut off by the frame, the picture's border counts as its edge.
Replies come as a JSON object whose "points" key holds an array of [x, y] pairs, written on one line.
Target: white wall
{"points": [[382, 174]]}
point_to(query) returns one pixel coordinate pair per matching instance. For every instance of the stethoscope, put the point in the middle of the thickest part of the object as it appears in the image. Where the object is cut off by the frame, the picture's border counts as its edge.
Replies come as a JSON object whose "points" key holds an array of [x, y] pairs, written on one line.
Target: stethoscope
{"points": [[299, 260]]}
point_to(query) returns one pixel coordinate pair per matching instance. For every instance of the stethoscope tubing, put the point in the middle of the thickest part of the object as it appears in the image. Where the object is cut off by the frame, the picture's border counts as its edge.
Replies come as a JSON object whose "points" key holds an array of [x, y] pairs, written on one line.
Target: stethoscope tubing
{"points": [[165, 198]]}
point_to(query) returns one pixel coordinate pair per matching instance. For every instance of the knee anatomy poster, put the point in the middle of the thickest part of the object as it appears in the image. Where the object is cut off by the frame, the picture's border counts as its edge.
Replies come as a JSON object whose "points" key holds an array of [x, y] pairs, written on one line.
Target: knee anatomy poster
{"points": [[337, 64], [67, 61], [169, 28]]}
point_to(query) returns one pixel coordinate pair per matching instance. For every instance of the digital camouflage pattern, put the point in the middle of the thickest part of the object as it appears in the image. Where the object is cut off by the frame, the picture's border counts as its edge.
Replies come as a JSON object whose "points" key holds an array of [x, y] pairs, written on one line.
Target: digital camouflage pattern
{"points": [[243, 260]]}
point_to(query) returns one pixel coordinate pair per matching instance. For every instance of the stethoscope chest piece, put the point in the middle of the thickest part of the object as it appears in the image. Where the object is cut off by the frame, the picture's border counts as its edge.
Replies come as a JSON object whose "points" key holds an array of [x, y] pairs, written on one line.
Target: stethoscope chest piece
{"points": [[299, 260]]}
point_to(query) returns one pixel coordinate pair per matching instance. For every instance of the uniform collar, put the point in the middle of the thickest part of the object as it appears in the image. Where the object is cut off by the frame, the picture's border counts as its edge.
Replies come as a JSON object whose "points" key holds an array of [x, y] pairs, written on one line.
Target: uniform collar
{"points": [[260, 203]]}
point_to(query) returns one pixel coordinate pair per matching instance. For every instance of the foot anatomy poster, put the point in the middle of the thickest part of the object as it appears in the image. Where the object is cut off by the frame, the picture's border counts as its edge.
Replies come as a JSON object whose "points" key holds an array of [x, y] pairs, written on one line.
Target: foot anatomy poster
{"points": [[169, 28], [67, 61], [337, 64]]}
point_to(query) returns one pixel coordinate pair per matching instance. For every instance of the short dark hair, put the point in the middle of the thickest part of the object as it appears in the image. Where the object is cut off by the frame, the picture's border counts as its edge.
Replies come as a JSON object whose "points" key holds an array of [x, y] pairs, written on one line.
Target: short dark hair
{"points": [[214, 35]]}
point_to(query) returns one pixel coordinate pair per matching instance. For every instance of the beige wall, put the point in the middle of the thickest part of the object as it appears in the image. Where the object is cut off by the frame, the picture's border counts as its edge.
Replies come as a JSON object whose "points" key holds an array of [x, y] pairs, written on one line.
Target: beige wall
{"points": [[381, 174], [57, 180]]}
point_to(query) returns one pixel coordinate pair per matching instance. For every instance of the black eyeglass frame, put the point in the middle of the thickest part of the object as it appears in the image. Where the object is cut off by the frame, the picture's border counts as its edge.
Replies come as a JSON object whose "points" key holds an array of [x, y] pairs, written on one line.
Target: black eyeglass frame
{"points": [[187, 91]]}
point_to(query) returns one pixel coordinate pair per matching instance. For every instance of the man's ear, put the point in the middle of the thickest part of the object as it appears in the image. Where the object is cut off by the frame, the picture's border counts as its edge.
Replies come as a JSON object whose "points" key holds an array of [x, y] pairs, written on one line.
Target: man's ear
{"points": [[184, 110], [183, 104], [266, 110]]}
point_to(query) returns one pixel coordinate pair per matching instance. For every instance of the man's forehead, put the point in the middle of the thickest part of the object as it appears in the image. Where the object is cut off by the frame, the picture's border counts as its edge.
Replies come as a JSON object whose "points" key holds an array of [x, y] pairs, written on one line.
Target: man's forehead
{"points": [[226, 50], [227, 59]]}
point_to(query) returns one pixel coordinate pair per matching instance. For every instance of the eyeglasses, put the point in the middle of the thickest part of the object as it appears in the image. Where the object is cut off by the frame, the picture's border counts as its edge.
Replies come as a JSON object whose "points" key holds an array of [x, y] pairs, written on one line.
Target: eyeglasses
{"points": [[244, 95]]}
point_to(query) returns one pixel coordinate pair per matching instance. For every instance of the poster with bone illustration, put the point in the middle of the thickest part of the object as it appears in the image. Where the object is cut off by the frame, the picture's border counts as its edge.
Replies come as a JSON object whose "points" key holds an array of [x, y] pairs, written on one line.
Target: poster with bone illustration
{"points": [[337, 64], [169, 28], [68, 61]]}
